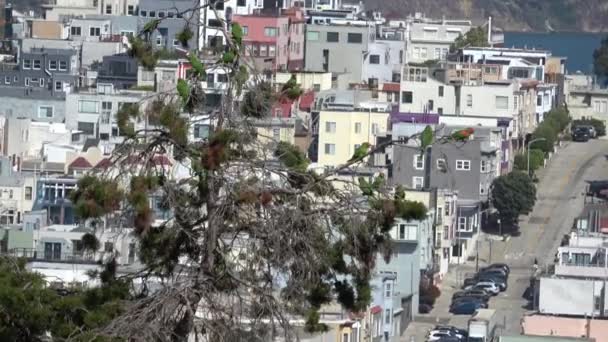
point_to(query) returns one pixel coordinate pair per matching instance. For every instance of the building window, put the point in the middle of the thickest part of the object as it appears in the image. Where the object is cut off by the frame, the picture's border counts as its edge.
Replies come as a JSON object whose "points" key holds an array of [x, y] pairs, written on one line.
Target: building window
{"points": [[7, 80], [37, 64], [241, 3], [357, 127], [58, 86], [222, 78], [469, 100], [442, 165], [437, 53], [161, 14], [52, 65], [312, 35], [27, 81], [355, 38], [462, 223], [106, 107], [333, 37], [387, 316], [130, 10], [28, 193], [159, 40], [45, 112], [85, 106], [439, 110], [272, 50], [276, 134], [423, 53], [463, 165], [330, 149], [27, 64], [502, 102], [245, 30], [42, 82], [419, 162], [270, 31], [263, 50], [539, 100], [16, 79], [482, 189], [143, 13], [108, 247], [152, 14], [176, 42], [330, 127], [484, 167], [63, 65], [388, 290], [374, 59], [94, 31], [108, 9], [440, 91], [375, 128], [407, 97], [418, 183], [76, 31]]}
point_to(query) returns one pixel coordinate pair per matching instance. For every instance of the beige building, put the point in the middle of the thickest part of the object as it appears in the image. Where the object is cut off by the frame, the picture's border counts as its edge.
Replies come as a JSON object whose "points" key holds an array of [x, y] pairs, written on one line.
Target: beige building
{"points": [[44, 29], [588, 102], [308, 80]]}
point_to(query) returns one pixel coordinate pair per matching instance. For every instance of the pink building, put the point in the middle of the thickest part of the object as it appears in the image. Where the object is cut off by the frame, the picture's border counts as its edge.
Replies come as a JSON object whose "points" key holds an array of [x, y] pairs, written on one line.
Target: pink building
{"points": [[274, 41], [542, 325]]}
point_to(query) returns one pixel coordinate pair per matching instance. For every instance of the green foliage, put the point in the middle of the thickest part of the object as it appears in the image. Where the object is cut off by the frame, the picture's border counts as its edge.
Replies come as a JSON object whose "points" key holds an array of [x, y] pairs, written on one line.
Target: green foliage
{"points": [[537, 160], [291, 89], [598, 125], [257, 101], [96, 197], [550, 128], [125, 116], [185, 35], [228, 57], [183, 89], [151, 26], [475, 37], [90, 242], [513, 194], [600, 60], [292, 157]]}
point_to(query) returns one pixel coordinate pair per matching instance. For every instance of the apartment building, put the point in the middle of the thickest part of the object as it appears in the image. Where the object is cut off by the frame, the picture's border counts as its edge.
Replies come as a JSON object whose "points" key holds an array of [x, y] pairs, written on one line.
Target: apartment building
{"points": [[430, 39], [92, 111], [467, 168], [588, 102], [274, 40], [339, 48], [175, 15], [342, 121], [16, 192], [386, 55], [118, 70], [308, 80]]}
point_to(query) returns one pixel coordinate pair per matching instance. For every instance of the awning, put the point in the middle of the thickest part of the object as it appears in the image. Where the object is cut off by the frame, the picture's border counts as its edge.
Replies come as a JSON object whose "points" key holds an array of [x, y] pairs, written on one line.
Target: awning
{"points": [[375, 310]]}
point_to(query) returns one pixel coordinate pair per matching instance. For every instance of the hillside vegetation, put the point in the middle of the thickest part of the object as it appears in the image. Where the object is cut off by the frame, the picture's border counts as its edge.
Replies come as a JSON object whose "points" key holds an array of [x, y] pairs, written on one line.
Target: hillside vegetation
{"points": [[512, 15]]}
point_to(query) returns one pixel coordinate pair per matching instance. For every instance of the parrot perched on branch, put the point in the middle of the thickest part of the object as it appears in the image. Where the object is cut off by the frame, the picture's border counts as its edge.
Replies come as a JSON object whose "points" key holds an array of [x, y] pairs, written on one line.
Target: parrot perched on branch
{"points": [[360, 152], [463, 134], [183, 89], [426, 138]]}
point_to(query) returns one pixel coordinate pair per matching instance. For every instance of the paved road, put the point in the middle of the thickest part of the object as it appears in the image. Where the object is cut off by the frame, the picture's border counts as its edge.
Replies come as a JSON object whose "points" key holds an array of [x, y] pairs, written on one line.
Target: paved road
{"points": [[560, 201]]}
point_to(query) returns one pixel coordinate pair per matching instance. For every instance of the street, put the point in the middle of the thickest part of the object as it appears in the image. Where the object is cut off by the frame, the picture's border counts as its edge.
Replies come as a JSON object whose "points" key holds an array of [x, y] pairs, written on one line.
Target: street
{"points": [[559, 201]]}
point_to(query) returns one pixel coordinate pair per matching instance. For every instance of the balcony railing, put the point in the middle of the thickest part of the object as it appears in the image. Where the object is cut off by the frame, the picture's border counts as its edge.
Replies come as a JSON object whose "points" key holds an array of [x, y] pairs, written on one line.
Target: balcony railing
{"points": [[32, 254]]}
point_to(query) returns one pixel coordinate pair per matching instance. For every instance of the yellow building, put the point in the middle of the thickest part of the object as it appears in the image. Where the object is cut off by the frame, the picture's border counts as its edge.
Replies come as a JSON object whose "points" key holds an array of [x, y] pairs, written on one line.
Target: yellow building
{"points": [[273, 130], [341, 132]]}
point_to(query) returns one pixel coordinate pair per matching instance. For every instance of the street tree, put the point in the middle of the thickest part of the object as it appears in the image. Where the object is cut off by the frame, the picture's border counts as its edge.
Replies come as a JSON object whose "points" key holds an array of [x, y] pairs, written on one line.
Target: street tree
{"points": [[254, 240], [475, 37], [512, 195], [600, 61]]}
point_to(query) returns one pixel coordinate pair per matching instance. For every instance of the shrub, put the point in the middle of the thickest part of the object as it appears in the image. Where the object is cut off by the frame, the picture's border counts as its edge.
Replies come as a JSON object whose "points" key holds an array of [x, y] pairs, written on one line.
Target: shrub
{"points": [[537, 160]]}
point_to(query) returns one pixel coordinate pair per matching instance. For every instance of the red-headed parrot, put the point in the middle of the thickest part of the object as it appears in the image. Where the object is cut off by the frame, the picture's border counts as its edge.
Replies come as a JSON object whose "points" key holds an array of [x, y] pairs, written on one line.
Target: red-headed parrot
{"points": [[463, 134]]}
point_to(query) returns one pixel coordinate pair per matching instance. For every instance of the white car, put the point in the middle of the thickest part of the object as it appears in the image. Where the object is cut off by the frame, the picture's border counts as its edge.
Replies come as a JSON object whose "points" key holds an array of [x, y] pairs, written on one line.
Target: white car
{"points": [[488, 286]]}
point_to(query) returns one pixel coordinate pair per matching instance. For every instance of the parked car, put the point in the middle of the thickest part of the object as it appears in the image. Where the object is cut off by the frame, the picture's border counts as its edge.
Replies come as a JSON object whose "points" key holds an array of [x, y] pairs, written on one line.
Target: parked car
{"points": [[493, 272], [451, 339], [501, 282], [469, 299], [487, 286], [589, 128], [499, 266], [457, 331], [581, 134], [472, 293], [469, 281], [436, 335], [467, 307], [446, 332]]}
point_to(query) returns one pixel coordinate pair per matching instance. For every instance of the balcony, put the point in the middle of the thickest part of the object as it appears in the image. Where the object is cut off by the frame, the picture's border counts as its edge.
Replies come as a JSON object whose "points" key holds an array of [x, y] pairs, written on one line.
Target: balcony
{"points": [[32, 254], [466, 73], [582, 271]]}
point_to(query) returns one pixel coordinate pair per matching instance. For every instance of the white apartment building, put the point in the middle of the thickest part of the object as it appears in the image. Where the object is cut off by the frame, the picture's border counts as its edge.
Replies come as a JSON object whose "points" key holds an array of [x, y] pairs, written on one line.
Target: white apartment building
{"points": [[588, 102], [430, 39]]}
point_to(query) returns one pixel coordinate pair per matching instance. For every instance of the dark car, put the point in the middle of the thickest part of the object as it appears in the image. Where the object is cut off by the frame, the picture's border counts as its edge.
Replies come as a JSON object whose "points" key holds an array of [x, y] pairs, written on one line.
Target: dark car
{"points": [[455, 330], [424, 308], [472, 293], [468, 299], [499, 266], [581, 134], [494, 272], [467, 307]]}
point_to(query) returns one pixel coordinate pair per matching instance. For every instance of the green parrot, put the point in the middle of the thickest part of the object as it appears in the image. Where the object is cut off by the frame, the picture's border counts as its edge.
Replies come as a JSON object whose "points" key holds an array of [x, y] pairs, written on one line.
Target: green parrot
{"points": [[366, 187], [237, 33], [378, 182], [197, 65], [426, 138], [183, 89], [360, 152], [228, 57], [151, 26]]}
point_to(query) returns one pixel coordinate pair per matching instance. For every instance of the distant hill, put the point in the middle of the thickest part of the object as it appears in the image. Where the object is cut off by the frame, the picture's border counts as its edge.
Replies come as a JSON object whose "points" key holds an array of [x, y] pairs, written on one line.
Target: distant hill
{"points": [[512, 15]]}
